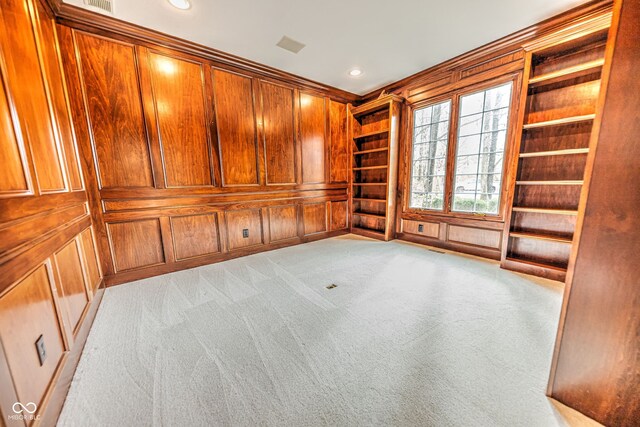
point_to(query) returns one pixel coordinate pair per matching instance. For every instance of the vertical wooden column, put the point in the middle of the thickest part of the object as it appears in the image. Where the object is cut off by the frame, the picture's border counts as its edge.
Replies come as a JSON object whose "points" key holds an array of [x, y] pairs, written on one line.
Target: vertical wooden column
{"points": [[596, 367]]}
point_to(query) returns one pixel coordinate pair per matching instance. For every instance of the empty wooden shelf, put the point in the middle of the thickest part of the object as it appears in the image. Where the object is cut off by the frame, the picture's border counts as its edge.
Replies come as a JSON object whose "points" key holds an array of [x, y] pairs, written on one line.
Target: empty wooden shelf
{"points": [[560, 92], [375, 130]]}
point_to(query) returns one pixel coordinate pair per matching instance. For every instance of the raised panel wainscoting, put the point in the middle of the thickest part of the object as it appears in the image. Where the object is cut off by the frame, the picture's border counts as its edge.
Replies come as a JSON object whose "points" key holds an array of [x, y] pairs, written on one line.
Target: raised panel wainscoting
{"points": [[196, 163], [50, 274], [127, 153]]}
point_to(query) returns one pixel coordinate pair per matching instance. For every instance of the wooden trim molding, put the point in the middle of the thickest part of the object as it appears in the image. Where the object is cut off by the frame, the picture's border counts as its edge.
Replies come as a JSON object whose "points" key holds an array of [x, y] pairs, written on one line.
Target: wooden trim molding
{"points": [[503, 47], [79, 18]]}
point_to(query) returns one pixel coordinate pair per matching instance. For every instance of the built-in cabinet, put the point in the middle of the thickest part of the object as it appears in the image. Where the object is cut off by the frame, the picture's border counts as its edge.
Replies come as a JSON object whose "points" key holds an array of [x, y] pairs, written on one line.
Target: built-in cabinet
{"points": [[375, 135], [559, 97]]}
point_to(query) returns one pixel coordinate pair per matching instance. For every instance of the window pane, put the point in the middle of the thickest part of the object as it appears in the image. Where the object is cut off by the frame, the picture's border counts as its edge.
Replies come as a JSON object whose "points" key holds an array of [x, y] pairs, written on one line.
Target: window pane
{"points": [[467, 165], [470, 125], [495, 120], [429, 161], [480, 150], [472, 104], [498, 97], [493, 141], [430, 149]]}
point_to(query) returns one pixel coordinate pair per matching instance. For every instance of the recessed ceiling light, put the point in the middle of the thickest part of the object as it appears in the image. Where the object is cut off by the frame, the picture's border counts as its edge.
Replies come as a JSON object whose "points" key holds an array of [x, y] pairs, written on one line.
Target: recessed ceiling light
{"points": [[181, 4], [356, 72]]}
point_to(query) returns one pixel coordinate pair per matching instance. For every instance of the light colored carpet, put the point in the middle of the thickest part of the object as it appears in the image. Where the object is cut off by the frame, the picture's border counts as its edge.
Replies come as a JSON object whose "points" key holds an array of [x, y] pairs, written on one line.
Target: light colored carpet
{"points": [[408, 337]]}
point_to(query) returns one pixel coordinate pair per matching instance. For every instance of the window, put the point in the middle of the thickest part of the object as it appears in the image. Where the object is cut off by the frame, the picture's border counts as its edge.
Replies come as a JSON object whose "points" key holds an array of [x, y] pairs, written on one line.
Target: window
{"points": [[474, 183], [429, 161], [482, 133]]}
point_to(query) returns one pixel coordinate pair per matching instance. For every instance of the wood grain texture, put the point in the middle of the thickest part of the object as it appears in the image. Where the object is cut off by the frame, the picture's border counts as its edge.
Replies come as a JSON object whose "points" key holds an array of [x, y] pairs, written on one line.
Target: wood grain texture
{"points": [[195, 235], [112, 97], [26, 313], [239, 220], [315, 218], [236, 127], [375, 145], [179, 98], [474, 236], [278, 121], [596, 368], [429, 229], [339, 142], [28, 88], [283, 223], [47, 43], [91, 262], [21, 234], [14, 172], [313, 123], [553, 254], [72, 289], [339, 215], [136, 244]]}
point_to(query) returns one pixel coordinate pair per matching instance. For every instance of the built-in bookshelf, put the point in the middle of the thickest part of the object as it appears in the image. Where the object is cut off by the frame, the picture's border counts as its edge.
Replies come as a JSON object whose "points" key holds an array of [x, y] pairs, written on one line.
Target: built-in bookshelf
{"points": [[375, 128], [561, 87]]}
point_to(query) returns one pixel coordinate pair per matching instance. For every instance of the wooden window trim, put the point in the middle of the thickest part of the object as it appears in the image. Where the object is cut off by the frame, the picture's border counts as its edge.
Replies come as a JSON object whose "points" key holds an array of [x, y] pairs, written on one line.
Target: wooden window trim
{"points": [[454, 96]]}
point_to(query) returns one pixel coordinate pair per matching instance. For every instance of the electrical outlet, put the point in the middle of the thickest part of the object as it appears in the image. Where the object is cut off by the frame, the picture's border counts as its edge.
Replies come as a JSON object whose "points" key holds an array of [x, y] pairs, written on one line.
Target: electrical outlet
{"points": [[245, 233], [41, 349], [420, 228]]}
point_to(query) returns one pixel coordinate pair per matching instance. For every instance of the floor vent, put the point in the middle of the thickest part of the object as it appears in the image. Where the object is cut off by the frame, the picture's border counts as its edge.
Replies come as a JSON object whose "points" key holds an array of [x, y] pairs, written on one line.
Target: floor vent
{"points": [[332, 286], [436, 251], [101, 5]]}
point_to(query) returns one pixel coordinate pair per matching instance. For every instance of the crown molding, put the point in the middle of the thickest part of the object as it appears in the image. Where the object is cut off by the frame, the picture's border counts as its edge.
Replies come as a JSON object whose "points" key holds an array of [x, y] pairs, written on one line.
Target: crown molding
{"points": [[577, 16], [86, 20], [82, 19]]}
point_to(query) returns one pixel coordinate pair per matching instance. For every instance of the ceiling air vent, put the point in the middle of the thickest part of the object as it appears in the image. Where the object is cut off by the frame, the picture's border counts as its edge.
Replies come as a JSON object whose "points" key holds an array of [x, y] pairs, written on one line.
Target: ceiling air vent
{"points": [[290, 44], [100, 5]]}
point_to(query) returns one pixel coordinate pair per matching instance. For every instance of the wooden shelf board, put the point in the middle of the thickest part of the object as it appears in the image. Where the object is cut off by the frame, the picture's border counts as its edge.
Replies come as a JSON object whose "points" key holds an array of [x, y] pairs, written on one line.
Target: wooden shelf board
{"points": [[363, 184], [551, 272], [376, 105], [558, 122], [370, 215], [547, 237], [369, 232], [373, 150], [364, 199], [370, 168], [567, 182], [555, 153], [372, 133], [544, 211], [567, 73]]}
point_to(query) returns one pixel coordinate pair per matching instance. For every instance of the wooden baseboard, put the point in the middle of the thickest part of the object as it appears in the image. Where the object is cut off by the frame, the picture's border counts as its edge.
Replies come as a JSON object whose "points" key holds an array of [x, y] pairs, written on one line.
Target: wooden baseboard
{"points": [[143, 273], [457, 247]]}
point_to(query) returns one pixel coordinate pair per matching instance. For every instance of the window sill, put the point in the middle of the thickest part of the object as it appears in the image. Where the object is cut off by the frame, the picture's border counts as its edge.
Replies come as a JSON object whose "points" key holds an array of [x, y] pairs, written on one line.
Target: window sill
{"points": [[413, 213]]}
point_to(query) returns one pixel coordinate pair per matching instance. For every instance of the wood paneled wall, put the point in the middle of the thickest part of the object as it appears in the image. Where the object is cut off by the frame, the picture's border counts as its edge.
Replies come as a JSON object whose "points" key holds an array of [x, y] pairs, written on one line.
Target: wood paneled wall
{"points": [[189, 162], [49, 272], [596, 367]]}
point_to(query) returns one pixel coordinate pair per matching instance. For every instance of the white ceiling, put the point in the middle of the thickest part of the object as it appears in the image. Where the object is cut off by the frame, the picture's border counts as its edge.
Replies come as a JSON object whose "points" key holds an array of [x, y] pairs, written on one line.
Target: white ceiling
{"points": [[387, 39]]}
